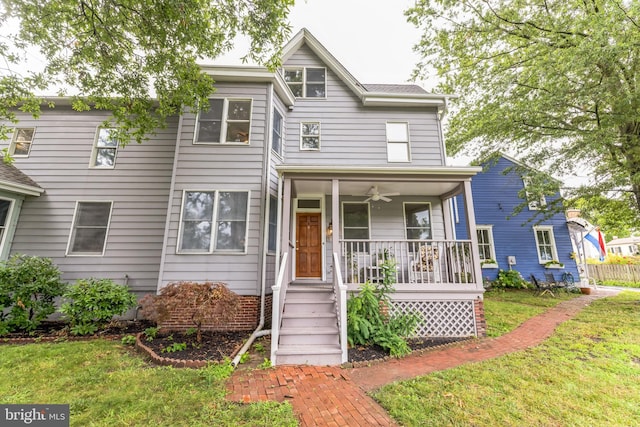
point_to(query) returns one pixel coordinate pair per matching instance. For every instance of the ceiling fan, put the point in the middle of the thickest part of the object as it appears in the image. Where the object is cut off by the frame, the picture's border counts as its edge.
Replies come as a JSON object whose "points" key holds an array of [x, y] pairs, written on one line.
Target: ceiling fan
{"points": [[375, 195]]}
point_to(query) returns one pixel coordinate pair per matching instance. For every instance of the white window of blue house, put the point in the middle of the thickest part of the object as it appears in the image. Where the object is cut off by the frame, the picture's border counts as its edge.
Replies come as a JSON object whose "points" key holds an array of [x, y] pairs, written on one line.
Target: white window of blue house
{"points": [[485, 242], [306, 82], [310, 136], [535, 201], [214, 221], [105, 148], [21, 142], [417, 218], [545, 243], [227, 121], [398, 142], [90, 228], [277, 132]]}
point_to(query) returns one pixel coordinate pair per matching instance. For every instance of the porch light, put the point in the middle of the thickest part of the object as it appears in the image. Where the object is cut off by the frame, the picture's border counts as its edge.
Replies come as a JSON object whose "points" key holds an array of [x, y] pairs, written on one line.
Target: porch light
{"points": [[330, 229]]}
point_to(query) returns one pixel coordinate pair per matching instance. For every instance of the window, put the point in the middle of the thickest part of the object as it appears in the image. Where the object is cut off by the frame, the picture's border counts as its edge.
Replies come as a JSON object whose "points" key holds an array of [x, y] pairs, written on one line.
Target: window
{"points": [[21, 142], [228, 121], [273, 223], [5, 211], [214, 221], [355, 221], [105, 148], [535, 201], [485, 242], [398, 142], [310, 136], [545, 243], [277, 132], [89, 230], [307, 82], [418, 220]]}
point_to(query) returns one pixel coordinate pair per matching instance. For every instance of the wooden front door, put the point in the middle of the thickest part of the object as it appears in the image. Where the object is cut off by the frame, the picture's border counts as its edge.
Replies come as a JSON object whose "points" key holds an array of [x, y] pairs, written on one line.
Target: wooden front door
{"points": [[308, 245]]}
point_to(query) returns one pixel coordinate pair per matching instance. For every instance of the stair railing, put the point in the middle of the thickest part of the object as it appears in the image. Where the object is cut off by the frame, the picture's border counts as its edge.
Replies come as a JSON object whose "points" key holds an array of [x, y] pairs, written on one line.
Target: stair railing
{"points": [[340, 291], [279, 294]]}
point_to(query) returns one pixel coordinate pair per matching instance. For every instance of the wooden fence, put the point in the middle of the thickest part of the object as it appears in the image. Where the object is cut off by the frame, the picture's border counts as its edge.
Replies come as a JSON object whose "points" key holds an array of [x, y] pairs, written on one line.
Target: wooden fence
{"points": [[623, 273]]}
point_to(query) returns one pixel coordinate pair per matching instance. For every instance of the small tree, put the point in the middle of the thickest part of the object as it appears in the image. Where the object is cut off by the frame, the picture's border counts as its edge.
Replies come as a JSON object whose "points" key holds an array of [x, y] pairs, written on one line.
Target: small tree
{"points": [[208, 302], [29, 286]]}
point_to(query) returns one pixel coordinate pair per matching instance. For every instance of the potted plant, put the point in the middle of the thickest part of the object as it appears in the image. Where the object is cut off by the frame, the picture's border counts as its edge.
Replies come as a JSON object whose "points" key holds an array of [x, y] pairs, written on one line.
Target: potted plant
{"points": [[489, 263], [553, 264]]}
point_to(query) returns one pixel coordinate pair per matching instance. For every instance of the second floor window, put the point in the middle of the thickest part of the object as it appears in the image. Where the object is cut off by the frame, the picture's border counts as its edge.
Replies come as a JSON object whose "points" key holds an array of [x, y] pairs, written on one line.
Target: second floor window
{"points": [[276, 137], [228, 121], [535, 200], [398, 142], [21, 142], [307, 82], [310, 136], [105, 148]]}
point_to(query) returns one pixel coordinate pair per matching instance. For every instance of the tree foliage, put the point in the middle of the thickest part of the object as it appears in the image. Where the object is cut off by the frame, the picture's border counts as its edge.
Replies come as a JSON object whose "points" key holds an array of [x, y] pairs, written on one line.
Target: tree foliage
{"points": [[616, 217], [554, 82], [135, 58]]}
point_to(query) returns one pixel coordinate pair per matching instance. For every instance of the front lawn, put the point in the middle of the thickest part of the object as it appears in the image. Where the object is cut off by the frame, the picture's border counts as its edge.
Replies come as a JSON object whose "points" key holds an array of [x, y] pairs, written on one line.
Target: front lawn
{"points": [[586, 374], [105, 385]]}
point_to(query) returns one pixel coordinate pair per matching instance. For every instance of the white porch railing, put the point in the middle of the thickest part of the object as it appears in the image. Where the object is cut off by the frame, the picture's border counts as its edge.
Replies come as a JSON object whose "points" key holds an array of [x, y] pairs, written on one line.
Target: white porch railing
{"points": [[279, 294], [417, 261], [340, 291]]}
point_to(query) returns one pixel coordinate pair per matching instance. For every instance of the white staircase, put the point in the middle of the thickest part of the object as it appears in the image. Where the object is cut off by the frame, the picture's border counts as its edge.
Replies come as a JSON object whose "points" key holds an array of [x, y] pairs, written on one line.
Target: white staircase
{"points": [[309, 333]]}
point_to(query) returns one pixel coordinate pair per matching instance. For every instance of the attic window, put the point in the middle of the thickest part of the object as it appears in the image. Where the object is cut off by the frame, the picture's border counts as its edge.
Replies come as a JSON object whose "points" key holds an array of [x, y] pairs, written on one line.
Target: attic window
{"points": [[307, 82], [535, 200]]}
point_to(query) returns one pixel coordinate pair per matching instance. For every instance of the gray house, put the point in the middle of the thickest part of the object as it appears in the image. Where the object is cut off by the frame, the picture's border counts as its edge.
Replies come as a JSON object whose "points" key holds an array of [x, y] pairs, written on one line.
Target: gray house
{"points": [[291, 189]]}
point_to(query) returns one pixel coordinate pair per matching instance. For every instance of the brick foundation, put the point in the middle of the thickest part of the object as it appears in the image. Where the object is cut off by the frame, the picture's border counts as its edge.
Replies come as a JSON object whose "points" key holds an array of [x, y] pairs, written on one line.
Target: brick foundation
{"points": [[246, 318], [481, 322]]}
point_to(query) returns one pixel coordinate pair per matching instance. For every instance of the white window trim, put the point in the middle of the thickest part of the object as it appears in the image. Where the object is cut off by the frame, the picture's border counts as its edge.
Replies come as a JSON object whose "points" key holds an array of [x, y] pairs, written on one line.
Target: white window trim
{"points": [[73, 225], [7, 222], [94, 151], [534, 205], [302, 148], [404, 217], [214, 228], [282, 130], [343, 220], [304, 81], [223, 124], [12, 146], [554, 250], [492, 249], [407, 142]]}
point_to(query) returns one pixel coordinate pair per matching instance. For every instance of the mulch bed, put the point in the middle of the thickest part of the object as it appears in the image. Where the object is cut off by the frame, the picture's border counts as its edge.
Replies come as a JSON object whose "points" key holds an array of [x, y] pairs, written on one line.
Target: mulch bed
{"points": [[59, 331], [362, 355], [215, 346]]}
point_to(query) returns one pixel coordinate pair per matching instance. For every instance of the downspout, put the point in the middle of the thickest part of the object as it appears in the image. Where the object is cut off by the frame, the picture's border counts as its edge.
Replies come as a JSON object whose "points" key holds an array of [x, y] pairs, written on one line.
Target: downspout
{"points": [[266, 194]]}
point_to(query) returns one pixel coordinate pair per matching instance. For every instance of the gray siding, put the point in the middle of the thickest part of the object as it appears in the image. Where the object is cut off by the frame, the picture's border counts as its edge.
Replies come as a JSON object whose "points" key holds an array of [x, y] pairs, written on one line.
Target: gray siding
{"points": [[351, 131], [221, 167], [138, 186]]}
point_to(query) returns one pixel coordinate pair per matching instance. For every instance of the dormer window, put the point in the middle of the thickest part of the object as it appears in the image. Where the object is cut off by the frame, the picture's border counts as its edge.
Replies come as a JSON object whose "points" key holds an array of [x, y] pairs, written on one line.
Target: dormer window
{"points": [[307, 82]]}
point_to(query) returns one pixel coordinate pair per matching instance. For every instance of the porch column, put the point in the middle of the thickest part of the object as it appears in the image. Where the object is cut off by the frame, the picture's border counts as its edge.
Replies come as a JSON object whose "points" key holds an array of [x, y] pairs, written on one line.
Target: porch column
{"points": [[335, 218], [448, 220], [471, 230]]}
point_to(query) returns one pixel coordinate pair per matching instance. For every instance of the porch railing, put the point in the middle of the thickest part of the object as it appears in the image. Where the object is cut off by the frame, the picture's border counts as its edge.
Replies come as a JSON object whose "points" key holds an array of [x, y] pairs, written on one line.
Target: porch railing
{"points": [[340, 291], [279, 294], [416, 261]]}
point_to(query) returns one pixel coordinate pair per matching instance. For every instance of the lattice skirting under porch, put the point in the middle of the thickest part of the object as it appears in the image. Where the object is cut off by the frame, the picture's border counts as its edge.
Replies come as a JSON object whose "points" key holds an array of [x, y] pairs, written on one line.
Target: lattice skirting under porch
{"points": [[443, 318]]}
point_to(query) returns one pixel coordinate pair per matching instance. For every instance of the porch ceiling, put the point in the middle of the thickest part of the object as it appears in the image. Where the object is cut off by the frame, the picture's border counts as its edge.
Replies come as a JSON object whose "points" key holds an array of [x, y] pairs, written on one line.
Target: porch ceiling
{"points": [[361, 188]]}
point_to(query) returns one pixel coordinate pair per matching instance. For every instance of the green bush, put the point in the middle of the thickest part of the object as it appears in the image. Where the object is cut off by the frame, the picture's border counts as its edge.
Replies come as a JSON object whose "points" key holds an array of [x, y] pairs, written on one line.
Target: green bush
{"points": [[93, 303], [509, 279], [29, 286]]}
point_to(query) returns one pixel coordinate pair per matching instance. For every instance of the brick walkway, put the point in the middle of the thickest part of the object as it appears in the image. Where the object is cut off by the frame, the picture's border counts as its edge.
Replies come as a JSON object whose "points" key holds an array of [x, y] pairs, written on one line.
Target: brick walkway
{"points": [[333, 396]]}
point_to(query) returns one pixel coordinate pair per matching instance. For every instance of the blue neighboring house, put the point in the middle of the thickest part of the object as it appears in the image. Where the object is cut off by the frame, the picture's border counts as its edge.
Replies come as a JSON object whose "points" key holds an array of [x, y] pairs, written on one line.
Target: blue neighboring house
{"points": [[507, 240]]}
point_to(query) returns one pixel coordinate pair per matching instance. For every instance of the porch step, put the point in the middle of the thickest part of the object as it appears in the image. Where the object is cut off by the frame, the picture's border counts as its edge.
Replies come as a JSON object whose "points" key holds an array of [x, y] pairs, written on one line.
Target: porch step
{"points": [[302, 320], [290, 354], [309, 336]]}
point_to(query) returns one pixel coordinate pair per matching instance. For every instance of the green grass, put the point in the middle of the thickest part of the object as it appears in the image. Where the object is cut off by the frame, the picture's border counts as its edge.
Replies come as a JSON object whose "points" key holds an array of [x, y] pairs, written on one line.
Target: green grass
{"points": [[619, 283], [586, 374], [505, 310], [105, 385]]}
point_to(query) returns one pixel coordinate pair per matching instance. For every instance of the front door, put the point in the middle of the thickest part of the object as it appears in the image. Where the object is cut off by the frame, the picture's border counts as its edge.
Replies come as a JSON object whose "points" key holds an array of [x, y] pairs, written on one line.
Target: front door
{"points": [[308, 245]]}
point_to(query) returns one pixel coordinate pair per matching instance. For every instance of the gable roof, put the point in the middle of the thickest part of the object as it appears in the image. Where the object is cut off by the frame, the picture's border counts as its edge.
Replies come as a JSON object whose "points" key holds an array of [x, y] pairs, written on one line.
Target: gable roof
{"points": [[15, 181], [370, 94]]}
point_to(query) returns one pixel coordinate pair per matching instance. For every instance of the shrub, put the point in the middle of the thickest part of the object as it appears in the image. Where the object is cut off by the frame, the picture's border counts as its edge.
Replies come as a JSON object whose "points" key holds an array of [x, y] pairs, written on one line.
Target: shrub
{"points": [[208, 302], [29, 286], [93, 303], [510, 279]]}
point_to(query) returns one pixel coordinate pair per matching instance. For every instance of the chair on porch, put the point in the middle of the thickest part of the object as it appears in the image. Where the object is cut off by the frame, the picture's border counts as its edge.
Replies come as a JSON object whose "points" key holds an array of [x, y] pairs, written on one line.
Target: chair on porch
{"points": [[425, 269]]}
